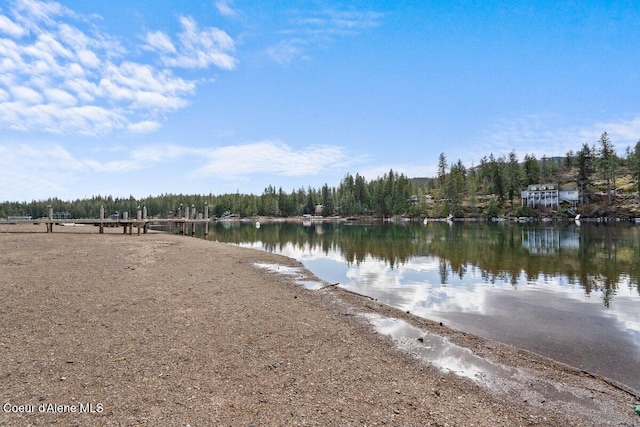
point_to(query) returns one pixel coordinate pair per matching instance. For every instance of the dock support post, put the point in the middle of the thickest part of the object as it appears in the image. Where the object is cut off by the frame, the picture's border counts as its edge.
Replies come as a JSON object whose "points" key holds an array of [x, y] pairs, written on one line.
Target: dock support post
{"points": [[206, 216], [125, 219], [185, 224], [138, 219], [193, 216], [50, 216], [101, 220]]}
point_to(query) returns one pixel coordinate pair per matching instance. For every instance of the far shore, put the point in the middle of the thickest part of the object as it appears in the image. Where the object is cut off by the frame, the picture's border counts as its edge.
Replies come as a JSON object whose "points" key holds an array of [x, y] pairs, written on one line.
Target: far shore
{"points": [[401, 219]]}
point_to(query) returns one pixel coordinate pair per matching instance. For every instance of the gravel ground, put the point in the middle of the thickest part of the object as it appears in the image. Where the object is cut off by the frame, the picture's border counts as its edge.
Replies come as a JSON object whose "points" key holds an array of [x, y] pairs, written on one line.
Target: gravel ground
{"points": [[159, 329]]}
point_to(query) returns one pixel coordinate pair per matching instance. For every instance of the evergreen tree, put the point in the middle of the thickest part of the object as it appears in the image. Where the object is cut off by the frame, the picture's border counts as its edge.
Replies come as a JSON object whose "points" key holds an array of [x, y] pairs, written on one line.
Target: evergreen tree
{"points": [[387, 196], [636, 167], [531, 170], [496, 174], [402, 191], [584, 160], [327, 201], [514, 180], [361, 194], [346, 197], [608, 163], [442, 170], [569, 160], [310, 205], [472, 185], [456, 185]]}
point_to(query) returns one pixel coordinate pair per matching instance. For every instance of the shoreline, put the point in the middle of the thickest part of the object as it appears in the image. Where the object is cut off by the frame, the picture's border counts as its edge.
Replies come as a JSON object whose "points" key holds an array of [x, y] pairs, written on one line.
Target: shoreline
{"points": [[171, 330]]}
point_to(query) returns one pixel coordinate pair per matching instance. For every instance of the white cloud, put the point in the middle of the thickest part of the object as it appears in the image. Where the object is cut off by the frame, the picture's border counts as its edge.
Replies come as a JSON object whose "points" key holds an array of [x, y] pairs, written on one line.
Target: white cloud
{"points": [[274, 158], [58, 169], [61, 97], [552, 136], [285, 52], [225, 9], [318, 27], [146, 126], [35, 172], [333, 20], [623, 132], [41, 11], [70, 78], [114, 166], [198, 48], [26, 95], [141, 87], [160, 41], [264, 157], [88, 59], [9, 27]]}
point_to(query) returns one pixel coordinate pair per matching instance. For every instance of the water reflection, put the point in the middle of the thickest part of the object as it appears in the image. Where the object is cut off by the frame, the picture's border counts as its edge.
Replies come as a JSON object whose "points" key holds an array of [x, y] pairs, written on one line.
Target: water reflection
{"points": [[595, 257], [461, 361], [299, 278], [440, 352], [568, 292]]}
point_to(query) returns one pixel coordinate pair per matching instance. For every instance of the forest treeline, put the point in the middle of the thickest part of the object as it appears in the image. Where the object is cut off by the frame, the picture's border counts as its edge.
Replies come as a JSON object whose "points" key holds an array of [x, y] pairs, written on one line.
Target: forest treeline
{"points": [[489, 188]]}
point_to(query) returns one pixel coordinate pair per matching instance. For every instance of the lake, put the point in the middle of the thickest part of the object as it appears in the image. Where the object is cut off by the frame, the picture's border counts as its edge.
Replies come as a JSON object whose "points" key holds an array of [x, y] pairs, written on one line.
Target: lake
{"points": [[568, 291]]}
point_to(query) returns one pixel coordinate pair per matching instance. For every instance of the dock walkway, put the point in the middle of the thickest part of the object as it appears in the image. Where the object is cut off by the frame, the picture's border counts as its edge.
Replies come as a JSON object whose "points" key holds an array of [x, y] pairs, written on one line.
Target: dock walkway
{"points": [[184, 224]]}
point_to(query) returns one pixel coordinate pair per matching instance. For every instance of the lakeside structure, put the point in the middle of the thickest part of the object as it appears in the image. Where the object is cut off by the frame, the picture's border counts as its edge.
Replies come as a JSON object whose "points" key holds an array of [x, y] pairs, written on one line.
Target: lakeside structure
{"points": [[548, 196], [141, 221]]}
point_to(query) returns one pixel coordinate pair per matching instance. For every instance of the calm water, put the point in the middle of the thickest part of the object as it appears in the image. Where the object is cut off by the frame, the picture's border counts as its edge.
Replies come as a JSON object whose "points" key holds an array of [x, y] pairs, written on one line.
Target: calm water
{"points": [[570, 292]]}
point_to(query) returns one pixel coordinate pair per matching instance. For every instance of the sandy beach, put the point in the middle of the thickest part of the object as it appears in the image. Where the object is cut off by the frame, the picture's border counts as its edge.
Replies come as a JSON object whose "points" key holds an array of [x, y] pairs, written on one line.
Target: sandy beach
{"points": [[167, 330]]}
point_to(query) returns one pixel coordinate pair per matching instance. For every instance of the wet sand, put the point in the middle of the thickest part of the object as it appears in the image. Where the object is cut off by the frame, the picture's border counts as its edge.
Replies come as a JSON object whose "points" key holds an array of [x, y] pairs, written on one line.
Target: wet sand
{"points": [[162, 329]]}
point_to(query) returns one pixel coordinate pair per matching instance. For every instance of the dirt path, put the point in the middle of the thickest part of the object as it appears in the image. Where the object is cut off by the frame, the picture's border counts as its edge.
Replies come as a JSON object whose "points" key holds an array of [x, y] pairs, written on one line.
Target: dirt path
{"points": [[169, 330]]}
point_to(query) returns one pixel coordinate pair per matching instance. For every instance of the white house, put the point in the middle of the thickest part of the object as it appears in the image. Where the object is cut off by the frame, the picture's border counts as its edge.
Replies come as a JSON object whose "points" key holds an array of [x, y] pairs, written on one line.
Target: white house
{"points": [[548, 196]]}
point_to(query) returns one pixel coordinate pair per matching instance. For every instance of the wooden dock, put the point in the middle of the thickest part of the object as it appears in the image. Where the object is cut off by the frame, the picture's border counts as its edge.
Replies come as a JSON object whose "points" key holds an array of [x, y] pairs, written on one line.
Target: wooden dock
{"points": [[185, 224]]}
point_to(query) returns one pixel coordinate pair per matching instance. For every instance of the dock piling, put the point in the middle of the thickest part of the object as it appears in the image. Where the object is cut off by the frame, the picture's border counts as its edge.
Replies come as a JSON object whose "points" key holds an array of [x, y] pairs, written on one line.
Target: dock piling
{"points": [[125, 218], [50, 216], [101, 220], [206, 216], [193, 216]]}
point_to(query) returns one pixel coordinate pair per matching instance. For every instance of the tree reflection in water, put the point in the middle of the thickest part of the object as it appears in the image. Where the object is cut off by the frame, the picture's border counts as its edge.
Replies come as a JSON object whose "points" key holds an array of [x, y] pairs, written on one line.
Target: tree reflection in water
{"points": [[599, 258]]}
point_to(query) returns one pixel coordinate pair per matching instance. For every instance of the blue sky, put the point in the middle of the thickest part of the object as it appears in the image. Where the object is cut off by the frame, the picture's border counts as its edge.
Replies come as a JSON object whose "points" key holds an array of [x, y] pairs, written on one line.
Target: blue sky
{"points": [[215, 96]]}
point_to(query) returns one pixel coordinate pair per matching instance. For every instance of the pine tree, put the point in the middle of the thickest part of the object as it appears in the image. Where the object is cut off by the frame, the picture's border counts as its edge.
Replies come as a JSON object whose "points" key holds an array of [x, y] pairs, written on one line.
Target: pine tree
{"points": [[584, 160], [608, 163], [636, 166], [514, 180], [442, 170], [531, 170]]}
